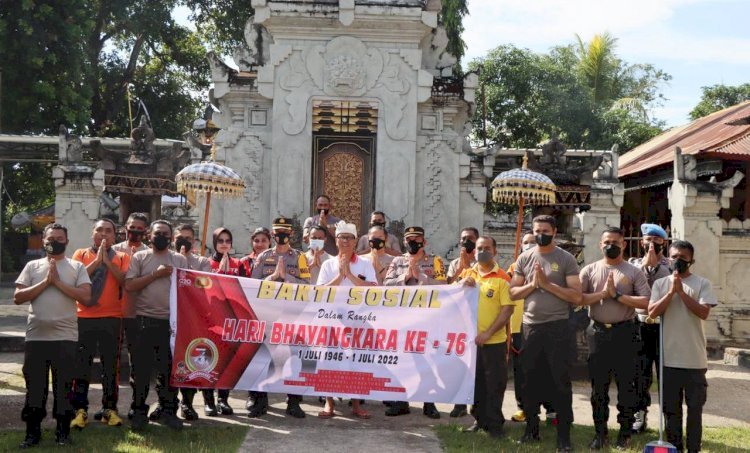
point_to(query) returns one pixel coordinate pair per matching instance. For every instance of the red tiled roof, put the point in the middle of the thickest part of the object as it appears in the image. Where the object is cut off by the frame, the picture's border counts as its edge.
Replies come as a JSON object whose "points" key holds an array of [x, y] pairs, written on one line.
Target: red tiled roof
{"points": [[710, 134]]}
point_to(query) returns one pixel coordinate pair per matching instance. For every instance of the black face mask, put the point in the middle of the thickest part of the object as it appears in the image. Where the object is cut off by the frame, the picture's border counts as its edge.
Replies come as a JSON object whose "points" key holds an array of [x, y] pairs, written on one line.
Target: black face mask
{"points": [[380, 224], [612, 251], [377, 243], [281, 238], [680, 265], [54, 248], [324, 211], [469, 245], [160, 242], [414, 246], [543, 240], [134, 235], [657, 248], [179, 243]]}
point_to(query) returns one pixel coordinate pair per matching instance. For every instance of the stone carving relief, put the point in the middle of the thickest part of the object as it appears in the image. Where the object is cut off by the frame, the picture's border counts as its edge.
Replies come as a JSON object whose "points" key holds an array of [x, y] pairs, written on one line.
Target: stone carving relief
{"points": [[345, 67]]}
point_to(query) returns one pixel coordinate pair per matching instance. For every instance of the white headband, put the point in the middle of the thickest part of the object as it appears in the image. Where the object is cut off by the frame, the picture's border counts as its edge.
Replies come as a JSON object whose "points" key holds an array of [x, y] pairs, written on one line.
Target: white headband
{"points": [[346, 228]]}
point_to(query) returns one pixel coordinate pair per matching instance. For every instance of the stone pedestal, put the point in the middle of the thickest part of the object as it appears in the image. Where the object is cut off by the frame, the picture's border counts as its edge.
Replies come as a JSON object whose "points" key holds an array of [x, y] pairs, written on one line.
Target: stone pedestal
{"points": [[77, 191]]}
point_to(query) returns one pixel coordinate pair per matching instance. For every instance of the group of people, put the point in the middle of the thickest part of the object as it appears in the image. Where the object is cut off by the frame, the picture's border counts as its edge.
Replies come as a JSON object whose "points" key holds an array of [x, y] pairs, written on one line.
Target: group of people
{"points": [[110, 294]]}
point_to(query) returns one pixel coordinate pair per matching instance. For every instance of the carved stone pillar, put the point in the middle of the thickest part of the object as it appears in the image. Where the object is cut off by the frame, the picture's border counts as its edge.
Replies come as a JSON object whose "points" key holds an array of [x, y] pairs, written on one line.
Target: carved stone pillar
{"points": [[607, 196], [77, 191], [606, 201], [695, 209]]}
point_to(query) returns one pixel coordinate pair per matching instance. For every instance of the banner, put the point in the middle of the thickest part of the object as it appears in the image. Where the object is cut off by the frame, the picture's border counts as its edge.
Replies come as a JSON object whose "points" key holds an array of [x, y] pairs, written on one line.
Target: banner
{"points": [[410, 343]]}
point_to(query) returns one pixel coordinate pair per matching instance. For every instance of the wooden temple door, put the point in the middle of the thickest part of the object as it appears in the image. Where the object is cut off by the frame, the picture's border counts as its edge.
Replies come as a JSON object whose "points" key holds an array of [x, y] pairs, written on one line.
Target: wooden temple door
{"points": [[344, 140], [344, 172]]}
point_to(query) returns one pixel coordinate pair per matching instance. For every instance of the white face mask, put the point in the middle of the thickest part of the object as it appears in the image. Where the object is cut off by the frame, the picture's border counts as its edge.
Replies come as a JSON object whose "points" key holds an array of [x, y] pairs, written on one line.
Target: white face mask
{"points": [[317, 244], [526, 247]]}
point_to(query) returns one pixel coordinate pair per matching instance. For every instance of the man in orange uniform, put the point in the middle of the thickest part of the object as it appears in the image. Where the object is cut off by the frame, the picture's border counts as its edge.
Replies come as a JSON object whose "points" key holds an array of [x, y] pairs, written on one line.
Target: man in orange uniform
{"points": [[100, 323]]}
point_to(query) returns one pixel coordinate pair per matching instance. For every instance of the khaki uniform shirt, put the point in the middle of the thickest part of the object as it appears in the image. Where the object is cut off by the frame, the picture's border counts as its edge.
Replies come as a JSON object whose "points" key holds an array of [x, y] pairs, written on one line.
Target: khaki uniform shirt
{"points": [[629, 280], [294, 261], [431, 271], [153, 300], [53, 316]]}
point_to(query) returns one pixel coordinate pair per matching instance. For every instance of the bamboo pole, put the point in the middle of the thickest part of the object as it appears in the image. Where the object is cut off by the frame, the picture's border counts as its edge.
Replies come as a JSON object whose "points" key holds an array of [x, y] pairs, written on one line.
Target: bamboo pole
{"points": [[519, 227], [205, 224]]}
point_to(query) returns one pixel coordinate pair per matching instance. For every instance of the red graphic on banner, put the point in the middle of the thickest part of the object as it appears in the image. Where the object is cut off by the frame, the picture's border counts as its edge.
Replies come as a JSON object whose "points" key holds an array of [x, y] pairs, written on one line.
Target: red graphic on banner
{"points": [[211, 300], [352, 382]]}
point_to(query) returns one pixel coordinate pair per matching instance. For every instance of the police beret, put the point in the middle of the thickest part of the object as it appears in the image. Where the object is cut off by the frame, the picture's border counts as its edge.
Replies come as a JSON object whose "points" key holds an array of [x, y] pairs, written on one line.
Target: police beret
{"points": [[413, 231], [281, 222], [649, 229]]}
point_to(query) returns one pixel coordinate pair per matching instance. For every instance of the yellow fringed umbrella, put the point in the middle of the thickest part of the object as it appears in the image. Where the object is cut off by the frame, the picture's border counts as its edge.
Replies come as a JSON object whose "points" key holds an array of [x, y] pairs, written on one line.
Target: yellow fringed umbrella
{"points": [[522, 186], [211, 178]]}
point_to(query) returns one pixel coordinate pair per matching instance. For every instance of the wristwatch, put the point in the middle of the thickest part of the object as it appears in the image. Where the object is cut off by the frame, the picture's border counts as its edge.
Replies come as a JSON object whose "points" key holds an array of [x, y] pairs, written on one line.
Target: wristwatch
{"points": [[617, 296]]}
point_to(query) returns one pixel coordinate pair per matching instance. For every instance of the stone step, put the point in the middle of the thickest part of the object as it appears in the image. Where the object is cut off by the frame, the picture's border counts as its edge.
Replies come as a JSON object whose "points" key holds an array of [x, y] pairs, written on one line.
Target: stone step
{"points": [[737, 357]]}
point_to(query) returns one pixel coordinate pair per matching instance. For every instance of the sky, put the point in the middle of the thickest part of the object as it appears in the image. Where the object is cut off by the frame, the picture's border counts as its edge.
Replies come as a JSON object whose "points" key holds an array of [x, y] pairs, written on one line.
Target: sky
{"points": [[698, 42]]}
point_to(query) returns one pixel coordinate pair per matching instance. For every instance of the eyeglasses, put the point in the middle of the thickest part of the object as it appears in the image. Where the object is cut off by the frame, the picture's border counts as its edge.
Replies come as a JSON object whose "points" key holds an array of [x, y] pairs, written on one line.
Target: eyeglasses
{"points": [[223, 241], [345, 238]]}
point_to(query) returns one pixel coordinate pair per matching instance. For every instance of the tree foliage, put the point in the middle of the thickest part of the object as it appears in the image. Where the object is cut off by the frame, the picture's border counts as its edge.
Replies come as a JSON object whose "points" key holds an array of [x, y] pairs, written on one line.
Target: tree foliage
{"points": [[451, 17], [719, 97], [582, 93]]}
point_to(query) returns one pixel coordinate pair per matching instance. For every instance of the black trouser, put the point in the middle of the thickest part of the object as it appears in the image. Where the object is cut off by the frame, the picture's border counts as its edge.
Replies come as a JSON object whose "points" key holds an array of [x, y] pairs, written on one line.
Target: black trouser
{"points": [[152, 353], [517, 341], [545, 360], [102, 334], [691, 386], [489, 386], [612, 352], [188, 394], [39, 357], [648, 359], [130, 332], [263, 395]]}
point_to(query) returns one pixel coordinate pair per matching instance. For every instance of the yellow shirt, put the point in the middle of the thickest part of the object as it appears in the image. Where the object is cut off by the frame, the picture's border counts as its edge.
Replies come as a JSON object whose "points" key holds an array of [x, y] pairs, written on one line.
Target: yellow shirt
{"points": [[517, 318], [494, 293]]}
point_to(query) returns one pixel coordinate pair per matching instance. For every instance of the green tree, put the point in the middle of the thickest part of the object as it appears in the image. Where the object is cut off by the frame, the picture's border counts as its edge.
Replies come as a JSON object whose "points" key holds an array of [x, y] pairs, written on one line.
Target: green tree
{"points": [[43, 65], [451, 17], [532, 96], [718, 97]]}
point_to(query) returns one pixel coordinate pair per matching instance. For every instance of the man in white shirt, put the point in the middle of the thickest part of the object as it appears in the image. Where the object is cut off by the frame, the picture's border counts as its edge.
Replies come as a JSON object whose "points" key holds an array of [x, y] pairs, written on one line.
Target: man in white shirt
{"points": [[346, 269], [683, 300]]}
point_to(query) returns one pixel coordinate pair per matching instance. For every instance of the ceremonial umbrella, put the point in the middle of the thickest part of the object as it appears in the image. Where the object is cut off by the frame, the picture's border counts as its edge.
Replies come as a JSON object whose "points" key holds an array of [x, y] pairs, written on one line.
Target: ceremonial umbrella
{"points": [[210, 178], [522, 186]]}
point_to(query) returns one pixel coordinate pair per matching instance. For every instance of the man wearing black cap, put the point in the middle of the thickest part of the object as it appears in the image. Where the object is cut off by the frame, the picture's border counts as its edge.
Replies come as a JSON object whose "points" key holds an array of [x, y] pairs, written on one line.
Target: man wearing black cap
{"points": [[655, 266], [281, 263], [415, 267]]}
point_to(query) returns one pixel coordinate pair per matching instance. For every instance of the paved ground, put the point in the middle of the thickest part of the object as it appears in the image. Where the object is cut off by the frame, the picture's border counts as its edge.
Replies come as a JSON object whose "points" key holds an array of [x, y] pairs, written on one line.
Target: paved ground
{"points": [[727, 405]]}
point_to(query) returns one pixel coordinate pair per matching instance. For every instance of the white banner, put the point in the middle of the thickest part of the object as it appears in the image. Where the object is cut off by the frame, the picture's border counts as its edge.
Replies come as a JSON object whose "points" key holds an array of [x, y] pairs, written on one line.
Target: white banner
{"points": [[411, 343]]}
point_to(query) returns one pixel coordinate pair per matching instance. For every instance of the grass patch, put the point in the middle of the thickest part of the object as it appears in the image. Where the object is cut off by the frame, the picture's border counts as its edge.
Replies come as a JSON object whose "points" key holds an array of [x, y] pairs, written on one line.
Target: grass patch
{"points": [[196, 439], [730, 440]]}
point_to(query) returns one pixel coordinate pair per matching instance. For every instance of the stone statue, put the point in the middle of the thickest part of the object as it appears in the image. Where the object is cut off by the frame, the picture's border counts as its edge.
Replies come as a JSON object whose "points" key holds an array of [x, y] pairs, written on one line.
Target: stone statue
{"points": [[561, 169], [256, 50], [71, 147], [142, 148]]}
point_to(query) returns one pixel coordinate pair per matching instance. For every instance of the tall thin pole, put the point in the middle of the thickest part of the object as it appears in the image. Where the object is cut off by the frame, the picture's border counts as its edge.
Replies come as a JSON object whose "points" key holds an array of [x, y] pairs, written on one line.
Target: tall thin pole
{"points": [[205, 223], [1, 215], [519, 226], [484, 116]]}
